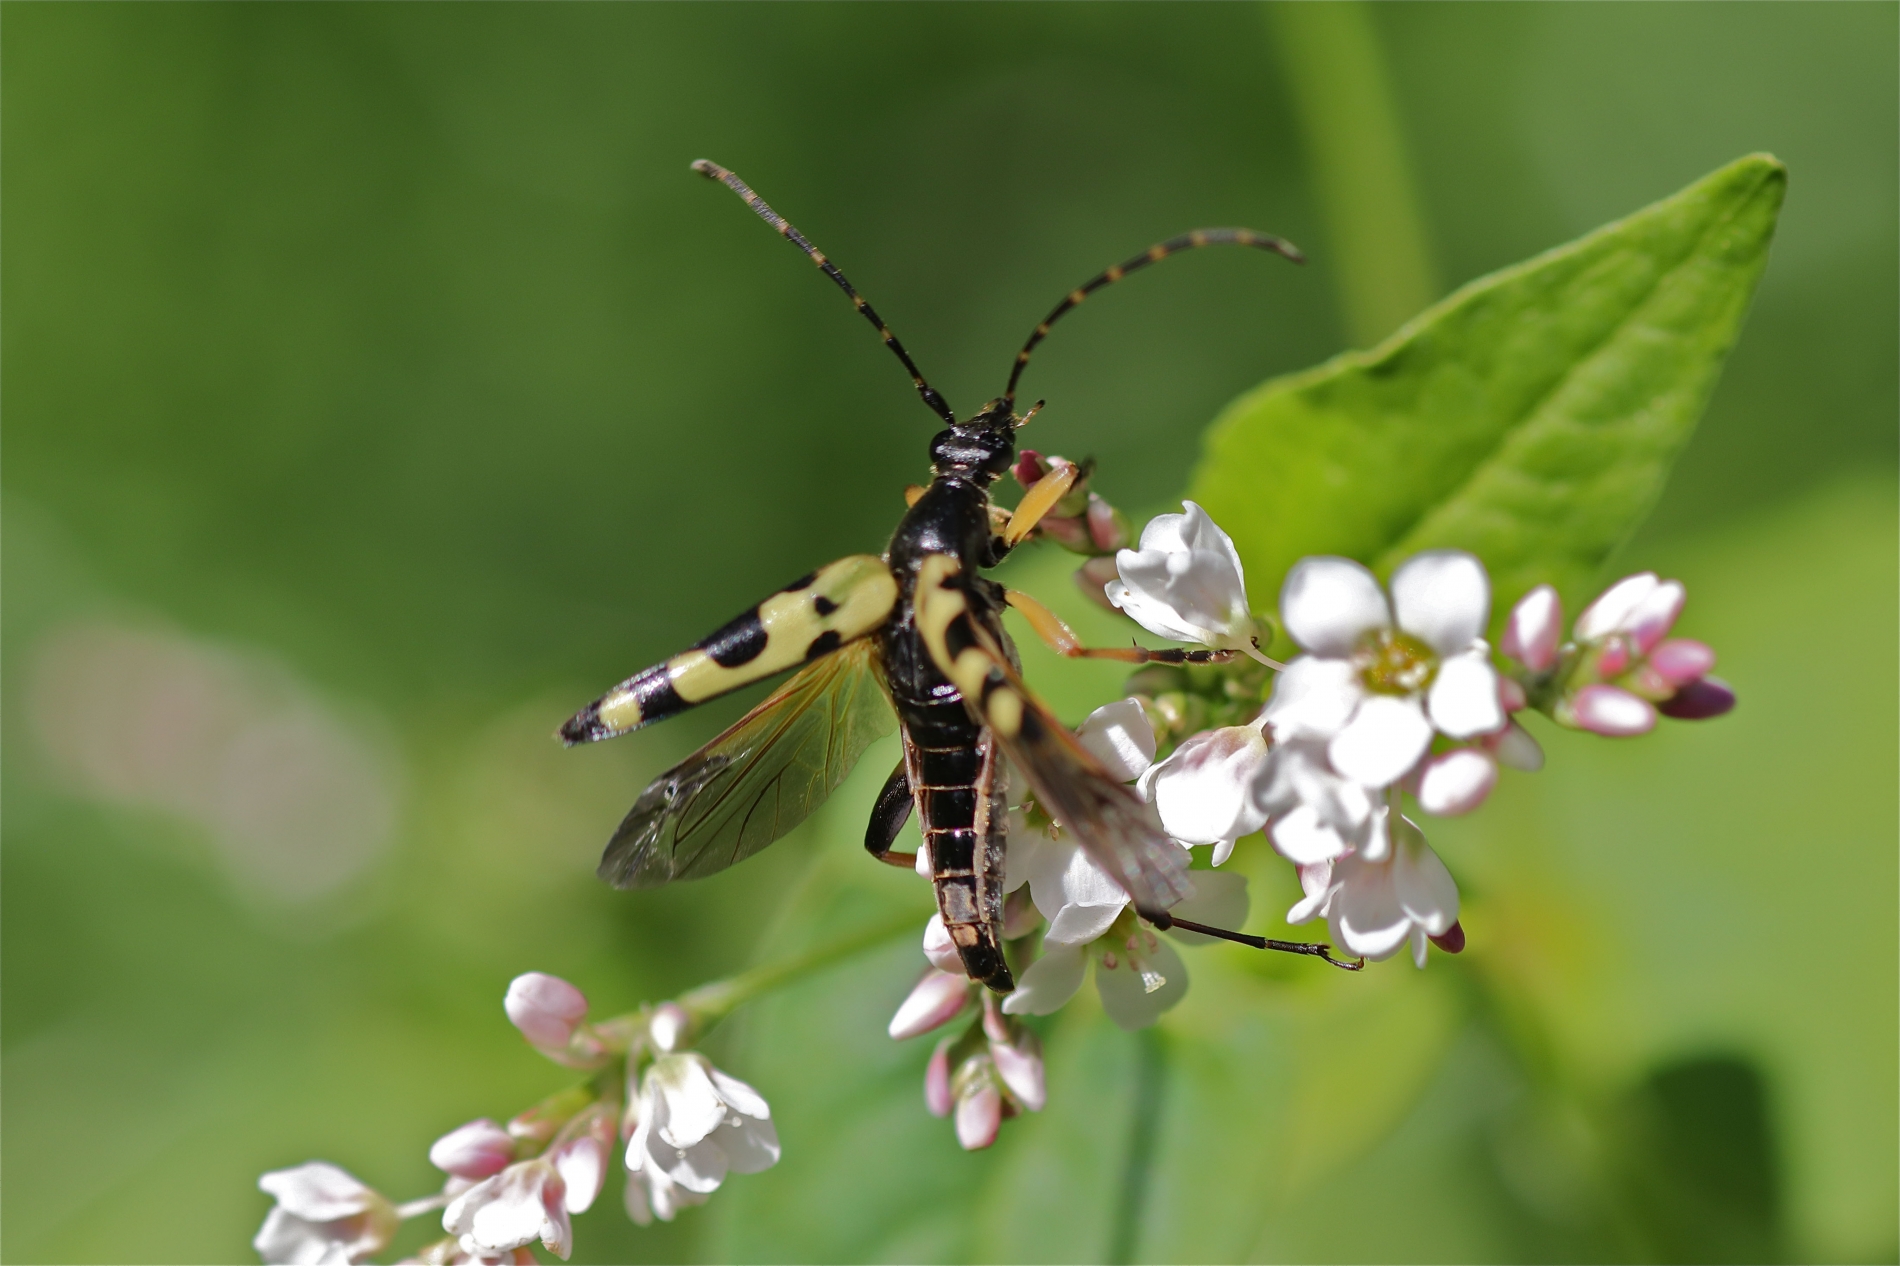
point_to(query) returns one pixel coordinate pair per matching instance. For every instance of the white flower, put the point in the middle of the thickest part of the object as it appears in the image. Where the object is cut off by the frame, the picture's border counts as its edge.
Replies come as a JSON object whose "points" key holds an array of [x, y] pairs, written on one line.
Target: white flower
{"points": [[323, 1215], [525, 1202], [1185, 582], [1138, 974], [1373, 689], [695, 1125], [1374, 908], [1316, 815], [1204, 789]]}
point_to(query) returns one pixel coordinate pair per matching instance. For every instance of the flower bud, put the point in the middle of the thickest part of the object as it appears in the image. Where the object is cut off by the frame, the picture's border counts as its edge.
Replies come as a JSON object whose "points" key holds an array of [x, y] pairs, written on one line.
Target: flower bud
{"points": [[1071, 534], [1699, 700], [1094, 577], [1681, 660], [1456, 782], [979, 1113], [670, 1027], [936, 1001], [938, 1097], [1533, 630], [1029, 468], [1610, 711], [1516, 749], [1108, 530], [1511, 696], [1655, 615], [1615, 605], [475, 1150], [1611, 659], [940, 949], [1452, 939], [545, 1008]]}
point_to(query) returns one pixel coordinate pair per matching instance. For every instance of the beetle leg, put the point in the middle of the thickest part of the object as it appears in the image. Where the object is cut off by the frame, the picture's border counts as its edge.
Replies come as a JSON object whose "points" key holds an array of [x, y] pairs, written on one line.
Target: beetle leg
{"points": [[888, 816], [1061, 639]]}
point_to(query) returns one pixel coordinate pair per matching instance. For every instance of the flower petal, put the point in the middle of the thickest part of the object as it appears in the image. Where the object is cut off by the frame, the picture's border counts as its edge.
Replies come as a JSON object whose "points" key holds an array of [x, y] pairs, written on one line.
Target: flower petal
{"points": [[1079, 923], [1301, 838], [1219, 901], [1464, 697], [1443, 597], [1313, 698], [940, 949], [1328, 603], [317, 1191], [1682, 660], [1425, 889], [1655, 615], [1021, 1071], [1066, 876], [1121, 736], [692, 1106], [1456, 782], [740, 1097], [582, 1164], [1516, 749], [1316, 881], [1140, 988], [1385, 737], [1204, 791], [750, 1146], [1049, 982], [1366, 916], [476, 1150]]}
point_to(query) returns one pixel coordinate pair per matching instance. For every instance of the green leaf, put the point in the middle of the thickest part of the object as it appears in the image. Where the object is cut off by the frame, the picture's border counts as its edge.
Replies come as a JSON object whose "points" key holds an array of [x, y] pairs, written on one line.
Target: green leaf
{"points": [[1531, 417]]}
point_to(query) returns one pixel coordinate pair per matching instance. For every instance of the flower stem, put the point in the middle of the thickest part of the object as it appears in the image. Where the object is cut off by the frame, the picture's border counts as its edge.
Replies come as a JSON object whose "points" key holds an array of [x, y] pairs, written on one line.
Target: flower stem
{"points": [[713, 1002]]}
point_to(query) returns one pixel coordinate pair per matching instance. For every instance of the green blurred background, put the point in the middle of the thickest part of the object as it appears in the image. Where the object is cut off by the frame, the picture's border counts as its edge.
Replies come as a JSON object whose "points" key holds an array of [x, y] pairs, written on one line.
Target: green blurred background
{"points": [[380, 385]]}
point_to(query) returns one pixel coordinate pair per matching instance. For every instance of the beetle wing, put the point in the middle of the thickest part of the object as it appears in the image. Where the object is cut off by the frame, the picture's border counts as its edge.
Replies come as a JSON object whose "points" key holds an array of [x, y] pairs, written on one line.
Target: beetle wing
{"points": [[756, 781], [1109, 821]]}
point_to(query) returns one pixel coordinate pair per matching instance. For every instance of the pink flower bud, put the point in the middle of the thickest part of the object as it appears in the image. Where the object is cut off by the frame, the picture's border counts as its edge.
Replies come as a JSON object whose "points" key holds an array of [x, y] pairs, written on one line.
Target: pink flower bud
{"points": [[1093, 579], [1021, 1071], [1615, 605], [1452, 939], [1456, 782], [1699, 700], [669, 1026], [1612, 658], [1029, 467], [545, 1008], [935, 1001], [475, 1150], [1655, 615], [1511, 696], [1071, 534], [1516, 749], [1612, 711], [979, 1114], [937, 1095], [940, 949], [1108, 530], [1681, 660], [1534, 629]]}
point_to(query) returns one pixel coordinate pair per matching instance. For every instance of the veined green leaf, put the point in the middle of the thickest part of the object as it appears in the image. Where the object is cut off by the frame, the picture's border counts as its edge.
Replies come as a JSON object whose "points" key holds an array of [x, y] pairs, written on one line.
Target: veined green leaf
{"points": [[1531, 417]]}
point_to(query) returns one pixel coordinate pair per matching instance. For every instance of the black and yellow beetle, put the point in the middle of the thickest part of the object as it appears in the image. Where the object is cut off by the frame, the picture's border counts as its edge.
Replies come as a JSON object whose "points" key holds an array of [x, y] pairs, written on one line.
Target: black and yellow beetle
{"points": [[921, 631]]}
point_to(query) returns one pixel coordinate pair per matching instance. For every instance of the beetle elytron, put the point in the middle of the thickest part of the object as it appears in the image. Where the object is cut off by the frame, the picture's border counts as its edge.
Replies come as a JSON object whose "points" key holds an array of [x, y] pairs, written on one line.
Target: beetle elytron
{"points": [[921, 628]]}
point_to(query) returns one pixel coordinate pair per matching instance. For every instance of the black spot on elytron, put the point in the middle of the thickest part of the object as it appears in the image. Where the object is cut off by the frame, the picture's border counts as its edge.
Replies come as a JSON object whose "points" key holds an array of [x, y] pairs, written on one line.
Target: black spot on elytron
{"points": [[801, 582], [823, 605], [740, 642], [824, 644]]}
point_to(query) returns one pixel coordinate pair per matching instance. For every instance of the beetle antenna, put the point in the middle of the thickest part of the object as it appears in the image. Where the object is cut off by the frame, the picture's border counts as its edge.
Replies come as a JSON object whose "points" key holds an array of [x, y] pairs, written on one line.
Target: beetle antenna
{"points": [[1193, 240], [713, 171]]}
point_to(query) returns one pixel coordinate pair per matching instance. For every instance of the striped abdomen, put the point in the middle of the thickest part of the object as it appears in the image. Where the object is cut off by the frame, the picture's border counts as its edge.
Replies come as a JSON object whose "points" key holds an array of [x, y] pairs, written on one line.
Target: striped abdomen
{"points": [[957, 777]]}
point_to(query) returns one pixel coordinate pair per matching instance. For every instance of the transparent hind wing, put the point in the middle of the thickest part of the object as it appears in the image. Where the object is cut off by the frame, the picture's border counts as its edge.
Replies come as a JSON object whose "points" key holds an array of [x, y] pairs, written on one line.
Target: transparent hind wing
{"points": [[756, 781]]}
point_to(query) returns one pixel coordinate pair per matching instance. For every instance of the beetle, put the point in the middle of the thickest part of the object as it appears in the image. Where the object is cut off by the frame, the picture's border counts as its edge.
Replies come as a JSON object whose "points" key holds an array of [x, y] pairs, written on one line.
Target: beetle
{"points": [[913, 635]]}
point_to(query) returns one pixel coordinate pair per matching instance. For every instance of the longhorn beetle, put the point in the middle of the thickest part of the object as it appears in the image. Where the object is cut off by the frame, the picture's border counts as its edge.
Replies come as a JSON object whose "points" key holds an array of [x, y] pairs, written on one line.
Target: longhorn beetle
{"points": [[918, 629]]}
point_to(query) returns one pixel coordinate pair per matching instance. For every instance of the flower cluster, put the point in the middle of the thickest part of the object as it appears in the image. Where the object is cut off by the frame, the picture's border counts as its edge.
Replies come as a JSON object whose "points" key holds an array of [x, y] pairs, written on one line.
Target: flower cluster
{"points": [[684, 1125], [1394, 692]]}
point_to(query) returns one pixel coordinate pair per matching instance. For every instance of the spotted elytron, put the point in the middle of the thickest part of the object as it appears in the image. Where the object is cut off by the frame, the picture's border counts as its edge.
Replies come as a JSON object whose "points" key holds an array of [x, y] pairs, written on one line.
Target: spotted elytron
{"points": [[918, 630]]}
